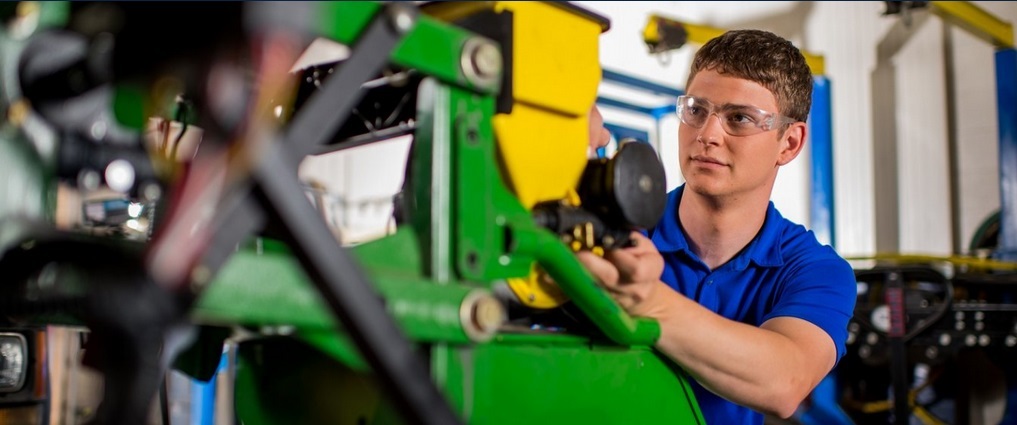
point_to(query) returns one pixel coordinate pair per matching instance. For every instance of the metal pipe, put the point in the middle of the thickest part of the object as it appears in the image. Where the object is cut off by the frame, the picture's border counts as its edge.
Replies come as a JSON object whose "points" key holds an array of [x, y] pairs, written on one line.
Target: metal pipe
{"points": [[583, 290], [270, 290]]}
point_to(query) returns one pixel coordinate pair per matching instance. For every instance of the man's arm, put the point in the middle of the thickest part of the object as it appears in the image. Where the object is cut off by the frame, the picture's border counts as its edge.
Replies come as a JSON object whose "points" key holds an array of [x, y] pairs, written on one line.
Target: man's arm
{"points": [[771, 368]]}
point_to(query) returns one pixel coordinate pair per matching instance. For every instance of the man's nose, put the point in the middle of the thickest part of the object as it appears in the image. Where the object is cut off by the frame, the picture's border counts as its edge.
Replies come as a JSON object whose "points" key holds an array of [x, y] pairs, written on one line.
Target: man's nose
{"points": [[712, 130]]}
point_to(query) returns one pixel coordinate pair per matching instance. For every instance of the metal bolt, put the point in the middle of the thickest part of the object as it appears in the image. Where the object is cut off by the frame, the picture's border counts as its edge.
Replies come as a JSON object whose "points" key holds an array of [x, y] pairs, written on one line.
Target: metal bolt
{"points": [[959, 315], [401, 16], [979, 326], [970, 340], [1011, 340], [959, 326], [488, 314], [851, 338], [979, 315], [487, 60], [872, 338], [645, 183], [984, 340], [931, 352], [944, 339], [864, 351], [480, 61]]}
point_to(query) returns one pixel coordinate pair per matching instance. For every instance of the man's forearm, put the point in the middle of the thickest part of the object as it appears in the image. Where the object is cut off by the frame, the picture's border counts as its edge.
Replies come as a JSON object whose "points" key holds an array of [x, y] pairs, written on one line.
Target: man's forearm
{"points": [[765, 369]]}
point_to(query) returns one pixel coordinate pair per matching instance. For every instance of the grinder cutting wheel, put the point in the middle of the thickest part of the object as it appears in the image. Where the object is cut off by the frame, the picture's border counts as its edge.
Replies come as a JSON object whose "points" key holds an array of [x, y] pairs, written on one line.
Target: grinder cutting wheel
{"points": [[615, 196]]}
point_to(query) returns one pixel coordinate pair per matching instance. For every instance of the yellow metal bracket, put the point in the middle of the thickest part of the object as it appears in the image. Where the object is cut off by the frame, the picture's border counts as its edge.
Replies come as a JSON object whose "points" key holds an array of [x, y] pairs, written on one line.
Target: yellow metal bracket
{"points": [[662, 34], [976, 21]]}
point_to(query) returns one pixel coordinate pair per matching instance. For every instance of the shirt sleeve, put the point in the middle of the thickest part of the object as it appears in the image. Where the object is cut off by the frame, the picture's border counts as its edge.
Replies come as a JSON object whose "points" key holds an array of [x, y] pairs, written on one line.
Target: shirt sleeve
{"points": [[821, 291]]}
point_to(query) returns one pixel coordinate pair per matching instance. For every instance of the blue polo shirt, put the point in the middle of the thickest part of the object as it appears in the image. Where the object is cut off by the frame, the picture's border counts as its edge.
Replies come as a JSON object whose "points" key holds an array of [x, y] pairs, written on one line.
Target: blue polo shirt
{"points": [[783, 271]]}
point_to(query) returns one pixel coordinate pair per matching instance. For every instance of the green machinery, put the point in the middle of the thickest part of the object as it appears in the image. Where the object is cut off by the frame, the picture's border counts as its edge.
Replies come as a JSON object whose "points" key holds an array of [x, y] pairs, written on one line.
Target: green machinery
{"points": [[474, 310]]}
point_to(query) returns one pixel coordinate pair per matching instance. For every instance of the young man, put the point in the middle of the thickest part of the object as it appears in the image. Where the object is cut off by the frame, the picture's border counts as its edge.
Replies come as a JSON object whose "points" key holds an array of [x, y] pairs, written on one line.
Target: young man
{"points": [[749, 303]]}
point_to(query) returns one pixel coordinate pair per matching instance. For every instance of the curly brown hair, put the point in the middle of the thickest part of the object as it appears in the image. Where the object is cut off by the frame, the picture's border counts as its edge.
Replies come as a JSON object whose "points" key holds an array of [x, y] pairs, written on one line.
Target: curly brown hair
{"points": [[765, 58]]}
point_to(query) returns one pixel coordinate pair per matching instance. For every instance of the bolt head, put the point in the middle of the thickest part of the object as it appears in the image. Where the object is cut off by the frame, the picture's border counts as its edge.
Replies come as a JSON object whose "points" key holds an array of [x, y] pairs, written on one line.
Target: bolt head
{"points": [[487, 60]]}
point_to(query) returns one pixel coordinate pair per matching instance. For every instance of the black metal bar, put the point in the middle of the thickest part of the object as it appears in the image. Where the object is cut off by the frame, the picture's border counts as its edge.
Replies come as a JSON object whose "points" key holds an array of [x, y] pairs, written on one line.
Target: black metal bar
{"points": [[241, 216], [314, 125], [898, 351], [339, 279], [164, 400], [345, 289], [326, 111]]}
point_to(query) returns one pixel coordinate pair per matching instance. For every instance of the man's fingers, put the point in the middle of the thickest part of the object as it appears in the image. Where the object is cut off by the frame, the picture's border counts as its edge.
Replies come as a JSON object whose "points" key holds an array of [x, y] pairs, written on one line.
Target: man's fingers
{"points": [[601, 269], [625, 262], [641, 244]]}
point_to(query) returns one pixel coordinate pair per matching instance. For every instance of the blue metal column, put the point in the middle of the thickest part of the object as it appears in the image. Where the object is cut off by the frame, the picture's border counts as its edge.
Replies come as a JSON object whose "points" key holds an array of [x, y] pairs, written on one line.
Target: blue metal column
{"points": [[823, 407], [1006, 103], [821, 212], [203, 396]]}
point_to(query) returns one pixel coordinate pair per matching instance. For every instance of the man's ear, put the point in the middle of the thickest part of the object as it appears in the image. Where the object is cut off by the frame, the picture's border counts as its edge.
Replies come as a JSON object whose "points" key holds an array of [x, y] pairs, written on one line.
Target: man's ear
{"points": [[792, 141]]}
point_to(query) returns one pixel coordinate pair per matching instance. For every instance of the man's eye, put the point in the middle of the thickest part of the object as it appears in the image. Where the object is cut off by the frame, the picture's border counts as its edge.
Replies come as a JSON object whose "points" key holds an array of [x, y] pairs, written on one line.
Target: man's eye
{"points": [[742, 119]]}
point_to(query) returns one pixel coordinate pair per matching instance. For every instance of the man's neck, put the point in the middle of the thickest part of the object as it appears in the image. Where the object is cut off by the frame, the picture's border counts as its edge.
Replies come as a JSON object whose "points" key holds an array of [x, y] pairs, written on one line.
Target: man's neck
{"points": [[717, 229]]}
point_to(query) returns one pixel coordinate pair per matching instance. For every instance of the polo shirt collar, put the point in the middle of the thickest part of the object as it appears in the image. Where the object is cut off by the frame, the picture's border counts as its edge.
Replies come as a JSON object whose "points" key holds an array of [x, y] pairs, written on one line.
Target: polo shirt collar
{"points": [[763, 250]]}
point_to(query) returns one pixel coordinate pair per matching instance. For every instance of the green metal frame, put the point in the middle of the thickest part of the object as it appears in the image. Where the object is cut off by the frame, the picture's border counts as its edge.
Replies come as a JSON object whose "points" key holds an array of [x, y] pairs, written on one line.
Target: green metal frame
{"points": [[466, 233]]}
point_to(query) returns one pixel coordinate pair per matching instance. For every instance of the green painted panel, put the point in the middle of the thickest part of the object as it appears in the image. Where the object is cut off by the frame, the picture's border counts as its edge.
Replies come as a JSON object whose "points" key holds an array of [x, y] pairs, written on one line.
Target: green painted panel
{"points": [[522, 379], [520, 383]]}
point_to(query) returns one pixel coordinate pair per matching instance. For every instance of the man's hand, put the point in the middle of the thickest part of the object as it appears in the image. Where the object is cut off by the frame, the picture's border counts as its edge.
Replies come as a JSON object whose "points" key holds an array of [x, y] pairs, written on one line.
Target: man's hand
{"points": [[632, 277], [599, 135]]}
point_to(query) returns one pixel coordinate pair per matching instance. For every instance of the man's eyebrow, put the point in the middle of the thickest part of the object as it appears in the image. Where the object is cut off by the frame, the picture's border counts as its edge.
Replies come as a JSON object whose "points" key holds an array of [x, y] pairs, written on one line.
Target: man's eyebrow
{"points": [[738, 106]]}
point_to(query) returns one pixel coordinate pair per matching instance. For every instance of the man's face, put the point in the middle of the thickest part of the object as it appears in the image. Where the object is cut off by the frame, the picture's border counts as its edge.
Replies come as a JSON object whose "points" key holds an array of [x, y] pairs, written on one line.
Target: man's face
{"points": [[715, 163]]}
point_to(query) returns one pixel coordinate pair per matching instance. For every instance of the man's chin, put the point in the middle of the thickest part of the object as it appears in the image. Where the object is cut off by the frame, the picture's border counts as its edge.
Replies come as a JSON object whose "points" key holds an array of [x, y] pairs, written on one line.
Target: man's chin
{"points": [[706, 187]]}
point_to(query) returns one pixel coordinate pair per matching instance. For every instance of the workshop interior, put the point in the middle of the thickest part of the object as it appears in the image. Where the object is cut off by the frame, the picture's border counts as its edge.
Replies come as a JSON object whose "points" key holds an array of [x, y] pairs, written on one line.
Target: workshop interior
{"points": [[368, 212]]}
